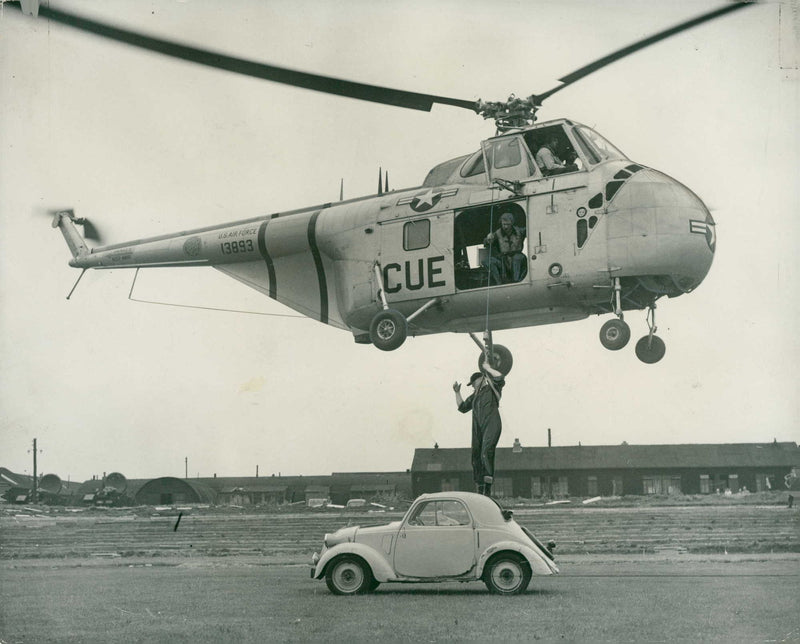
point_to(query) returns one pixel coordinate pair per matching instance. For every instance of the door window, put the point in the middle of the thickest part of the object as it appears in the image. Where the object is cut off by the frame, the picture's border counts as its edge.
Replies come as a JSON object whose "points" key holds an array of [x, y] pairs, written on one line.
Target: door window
{"points": [[506, 154], [440, 513], [508, 158], [417, 234]]}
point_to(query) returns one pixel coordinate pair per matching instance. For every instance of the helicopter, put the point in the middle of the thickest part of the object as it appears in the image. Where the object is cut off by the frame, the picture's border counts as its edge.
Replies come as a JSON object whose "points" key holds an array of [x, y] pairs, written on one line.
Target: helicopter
{"points": [[602, 234]]}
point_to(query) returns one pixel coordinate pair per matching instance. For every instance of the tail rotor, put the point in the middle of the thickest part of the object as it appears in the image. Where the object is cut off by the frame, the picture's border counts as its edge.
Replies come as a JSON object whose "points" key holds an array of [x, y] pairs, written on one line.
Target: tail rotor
{"points": [[90, 231]]}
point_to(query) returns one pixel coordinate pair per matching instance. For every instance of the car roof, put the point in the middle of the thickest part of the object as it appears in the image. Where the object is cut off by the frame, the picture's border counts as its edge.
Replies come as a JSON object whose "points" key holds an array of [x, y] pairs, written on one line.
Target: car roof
{"points": [[484, 509]]}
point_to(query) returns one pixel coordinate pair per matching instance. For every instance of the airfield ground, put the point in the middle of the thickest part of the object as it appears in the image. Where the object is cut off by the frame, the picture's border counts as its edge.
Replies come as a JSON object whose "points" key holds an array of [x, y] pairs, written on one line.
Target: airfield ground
{"points": [[628, 574]]}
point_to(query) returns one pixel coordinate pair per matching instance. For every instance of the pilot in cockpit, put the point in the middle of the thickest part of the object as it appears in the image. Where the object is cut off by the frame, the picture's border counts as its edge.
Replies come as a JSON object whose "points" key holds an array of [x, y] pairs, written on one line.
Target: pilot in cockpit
{"points": [[547, 158]]}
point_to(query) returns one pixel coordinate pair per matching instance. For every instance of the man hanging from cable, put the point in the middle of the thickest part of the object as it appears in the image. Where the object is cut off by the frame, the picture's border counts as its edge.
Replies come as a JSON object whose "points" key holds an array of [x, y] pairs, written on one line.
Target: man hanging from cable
{"points": [[484, 402]]}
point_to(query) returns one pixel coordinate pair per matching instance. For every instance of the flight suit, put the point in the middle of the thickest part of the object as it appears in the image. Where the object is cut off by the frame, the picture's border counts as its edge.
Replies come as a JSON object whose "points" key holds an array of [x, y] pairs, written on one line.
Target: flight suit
{"points": [[486, 428], [511, 264]]}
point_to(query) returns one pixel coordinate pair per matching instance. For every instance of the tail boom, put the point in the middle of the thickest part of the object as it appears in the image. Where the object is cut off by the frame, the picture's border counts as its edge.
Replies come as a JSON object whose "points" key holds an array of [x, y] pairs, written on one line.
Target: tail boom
{"points": [[65, 220]]}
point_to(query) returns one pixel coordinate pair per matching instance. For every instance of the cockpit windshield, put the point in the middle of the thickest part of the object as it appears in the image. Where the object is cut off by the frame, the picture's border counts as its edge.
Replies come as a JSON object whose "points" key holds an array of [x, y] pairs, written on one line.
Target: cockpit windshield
{"points": [[558, 147], [594, 146]]}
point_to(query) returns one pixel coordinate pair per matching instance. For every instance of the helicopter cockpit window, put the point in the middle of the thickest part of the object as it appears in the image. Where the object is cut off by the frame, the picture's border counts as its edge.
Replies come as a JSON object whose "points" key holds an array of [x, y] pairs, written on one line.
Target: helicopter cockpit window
{"points": [[508, 158], [490, 246], [417, 234], [596, 147], [474, 165], [506, 154], [553, 151]]}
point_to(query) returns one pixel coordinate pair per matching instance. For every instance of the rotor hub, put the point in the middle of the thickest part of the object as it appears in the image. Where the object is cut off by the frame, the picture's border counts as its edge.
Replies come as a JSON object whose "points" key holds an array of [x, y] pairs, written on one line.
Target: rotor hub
{"points": [[511, 114]]}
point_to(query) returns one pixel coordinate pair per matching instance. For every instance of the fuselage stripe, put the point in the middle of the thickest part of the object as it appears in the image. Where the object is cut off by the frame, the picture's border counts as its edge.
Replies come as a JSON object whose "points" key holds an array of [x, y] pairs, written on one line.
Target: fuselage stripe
{"points": [[323, 283], [262, 248]]}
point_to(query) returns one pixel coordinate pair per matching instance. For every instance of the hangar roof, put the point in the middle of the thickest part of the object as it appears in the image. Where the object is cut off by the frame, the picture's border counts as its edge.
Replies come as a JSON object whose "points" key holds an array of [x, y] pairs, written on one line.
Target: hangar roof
{"points": [[202, 493]]}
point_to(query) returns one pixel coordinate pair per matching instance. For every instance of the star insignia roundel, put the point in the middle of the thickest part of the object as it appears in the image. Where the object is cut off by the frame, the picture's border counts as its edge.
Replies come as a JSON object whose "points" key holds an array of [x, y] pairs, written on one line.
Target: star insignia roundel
{"points": [[424, 201], [706, 228]]}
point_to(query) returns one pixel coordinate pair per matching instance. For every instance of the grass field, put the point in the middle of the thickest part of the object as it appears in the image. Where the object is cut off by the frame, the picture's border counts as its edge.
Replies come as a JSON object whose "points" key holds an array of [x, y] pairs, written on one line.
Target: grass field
{"points": [[628, 575], [236, 600]]}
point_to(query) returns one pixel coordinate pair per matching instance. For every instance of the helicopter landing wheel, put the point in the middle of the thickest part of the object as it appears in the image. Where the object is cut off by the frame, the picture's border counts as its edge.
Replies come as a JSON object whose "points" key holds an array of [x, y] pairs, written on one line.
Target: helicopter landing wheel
{"points": [[501, 359], [388, 329], [650, 349], [614, 334]]}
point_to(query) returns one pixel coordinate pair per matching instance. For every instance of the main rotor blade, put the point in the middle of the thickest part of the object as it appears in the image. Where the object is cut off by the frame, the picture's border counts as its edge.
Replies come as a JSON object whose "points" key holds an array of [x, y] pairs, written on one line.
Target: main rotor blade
{"points": [[326, 84], [637, 46]]}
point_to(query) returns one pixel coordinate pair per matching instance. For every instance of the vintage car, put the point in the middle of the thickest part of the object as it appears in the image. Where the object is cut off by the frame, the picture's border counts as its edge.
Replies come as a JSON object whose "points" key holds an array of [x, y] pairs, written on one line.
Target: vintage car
{"points": [[446, 536]]}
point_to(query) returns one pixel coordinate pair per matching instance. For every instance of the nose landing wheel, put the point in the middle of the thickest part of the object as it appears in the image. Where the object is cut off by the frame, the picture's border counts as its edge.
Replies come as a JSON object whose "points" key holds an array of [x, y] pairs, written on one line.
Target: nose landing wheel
{"points": [[650, 349]]}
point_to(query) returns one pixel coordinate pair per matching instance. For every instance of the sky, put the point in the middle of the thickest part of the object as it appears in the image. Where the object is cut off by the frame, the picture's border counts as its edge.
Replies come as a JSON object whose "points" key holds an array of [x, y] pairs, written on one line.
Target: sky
{"points": [[144, 145]]}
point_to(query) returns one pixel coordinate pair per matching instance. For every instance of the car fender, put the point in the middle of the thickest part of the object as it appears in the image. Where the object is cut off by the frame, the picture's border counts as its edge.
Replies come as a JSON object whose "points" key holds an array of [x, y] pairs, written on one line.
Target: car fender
{"points": [[538, 563], [381, 569]]}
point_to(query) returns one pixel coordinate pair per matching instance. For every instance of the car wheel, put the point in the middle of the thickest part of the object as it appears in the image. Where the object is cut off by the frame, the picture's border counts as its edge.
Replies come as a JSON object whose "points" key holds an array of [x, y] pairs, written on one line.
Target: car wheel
{"points": [[507, 574], [348, 575]]}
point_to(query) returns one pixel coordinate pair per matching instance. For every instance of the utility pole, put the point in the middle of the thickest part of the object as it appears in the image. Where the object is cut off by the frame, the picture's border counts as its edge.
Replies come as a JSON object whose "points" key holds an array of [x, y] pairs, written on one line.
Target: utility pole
{"points": [[35, 491], [186, 467]]}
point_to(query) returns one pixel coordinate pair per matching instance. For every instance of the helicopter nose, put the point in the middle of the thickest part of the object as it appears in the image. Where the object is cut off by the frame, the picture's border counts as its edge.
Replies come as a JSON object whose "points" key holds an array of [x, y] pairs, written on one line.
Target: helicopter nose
{"points": [[660, 232]]}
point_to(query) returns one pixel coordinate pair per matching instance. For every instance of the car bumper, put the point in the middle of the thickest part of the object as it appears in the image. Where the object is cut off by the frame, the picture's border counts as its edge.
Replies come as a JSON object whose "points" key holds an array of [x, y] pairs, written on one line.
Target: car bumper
{"points": [[314, 562]]}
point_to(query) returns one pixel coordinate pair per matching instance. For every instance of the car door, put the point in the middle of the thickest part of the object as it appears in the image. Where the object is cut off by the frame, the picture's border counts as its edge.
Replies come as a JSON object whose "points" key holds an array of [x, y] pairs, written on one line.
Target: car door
{"points": [[437, 540]]}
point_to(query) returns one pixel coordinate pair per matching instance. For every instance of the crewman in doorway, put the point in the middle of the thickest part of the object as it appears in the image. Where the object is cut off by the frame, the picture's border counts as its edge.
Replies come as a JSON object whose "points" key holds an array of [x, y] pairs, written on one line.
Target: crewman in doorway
{"points": [[507, 263], [484, 401]]}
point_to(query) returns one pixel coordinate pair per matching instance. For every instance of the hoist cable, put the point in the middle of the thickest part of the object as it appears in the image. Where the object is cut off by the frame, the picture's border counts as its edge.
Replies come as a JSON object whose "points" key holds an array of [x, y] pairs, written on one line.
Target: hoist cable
{"points": [[489, 262]]}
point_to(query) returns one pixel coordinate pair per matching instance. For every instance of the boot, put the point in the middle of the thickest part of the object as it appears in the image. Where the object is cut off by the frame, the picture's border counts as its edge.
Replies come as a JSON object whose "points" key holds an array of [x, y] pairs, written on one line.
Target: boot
{"points": [[487, 485], [480, 488]]}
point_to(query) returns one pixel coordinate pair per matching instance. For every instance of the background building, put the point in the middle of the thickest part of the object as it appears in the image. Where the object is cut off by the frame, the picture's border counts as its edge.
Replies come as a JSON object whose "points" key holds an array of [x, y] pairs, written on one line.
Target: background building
{"points": [[526, 472], [613, 470]]}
